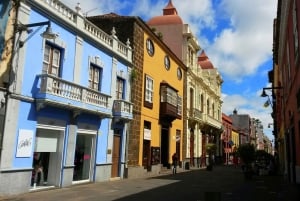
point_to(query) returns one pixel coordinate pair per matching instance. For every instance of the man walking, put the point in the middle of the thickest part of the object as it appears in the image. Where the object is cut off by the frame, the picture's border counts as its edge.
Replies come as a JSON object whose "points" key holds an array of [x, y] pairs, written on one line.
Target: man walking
{"points": [[174, 161]]}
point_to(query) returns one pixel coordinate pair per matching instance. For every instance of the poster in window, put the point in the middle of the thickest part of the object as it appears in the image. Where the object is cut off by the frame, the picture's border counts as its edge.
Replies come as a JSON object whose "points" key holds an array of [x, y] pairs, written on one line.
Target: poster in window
{"points": [[155, 155], [25, 143]]}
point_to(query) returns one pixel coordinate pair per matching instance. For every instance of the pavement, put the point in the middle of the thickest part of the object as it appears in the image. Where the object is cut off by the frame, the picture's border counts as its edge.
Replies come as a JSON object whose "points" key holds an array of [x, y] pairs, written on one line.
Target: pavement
{"points": [[223, 183]]}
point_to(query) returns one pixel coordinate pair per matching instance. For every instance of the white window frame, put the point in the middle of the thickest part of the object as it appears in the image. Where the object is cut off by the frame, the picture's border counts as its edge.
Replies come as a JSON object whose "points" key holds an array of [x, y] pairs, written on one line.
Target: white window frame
{"points": [[149, 86]]}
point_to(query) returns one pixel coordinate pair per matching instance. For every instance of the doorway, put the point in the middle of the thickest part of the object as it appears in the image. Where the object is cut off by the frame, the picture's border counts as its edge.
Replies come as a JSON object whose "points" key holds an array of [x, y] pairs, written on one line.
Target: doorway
{"points": [[165, 147], [115, 167], [82, 159], [47, 158]]}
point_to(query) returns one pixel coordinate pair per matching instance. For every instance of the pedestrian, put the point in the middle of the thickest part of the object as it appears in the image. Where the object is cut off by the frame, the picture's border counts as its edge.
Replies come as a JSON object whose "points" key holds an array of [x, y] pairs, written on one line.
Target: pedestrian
{"points": [[235, 160], [174, 162]]}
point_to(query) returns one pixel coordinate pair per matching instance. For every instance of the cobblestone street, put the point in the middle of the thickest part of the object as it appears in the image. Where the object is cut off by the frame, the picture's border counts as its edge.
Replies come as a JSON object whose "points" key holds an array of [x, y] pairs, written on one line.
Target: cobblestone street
{"points": [[223, 183]]}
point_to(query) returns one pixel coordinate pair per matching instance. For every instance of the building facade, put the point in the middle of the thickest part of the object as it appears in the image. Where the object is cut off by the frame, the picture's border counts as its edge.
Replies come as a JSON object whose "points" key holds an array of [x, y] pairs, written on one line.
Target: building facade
{"points": [[228, 140], [68, 108], [286, 87], [203, 121], [242, 123], [158, 96]]}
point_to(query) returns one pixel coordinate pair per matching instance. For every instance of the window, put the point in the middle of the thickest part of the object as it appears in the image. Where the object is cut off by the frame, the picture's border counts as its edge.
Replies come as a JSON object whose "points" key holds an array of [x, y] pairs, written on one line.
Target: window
{"points": [[167, 62], [150, 47], [95, 76], [179, 73], [51, 63], [190, 57], [202, 103], [207, 107], [120, 88], [148, 92]]}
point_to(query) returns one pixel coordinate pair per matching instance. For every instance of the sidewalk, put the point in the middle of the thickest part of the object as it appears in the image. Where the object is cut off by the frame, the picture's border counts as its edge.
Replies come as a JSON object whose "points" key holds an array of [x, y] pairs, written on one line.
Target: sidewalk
{"points": [[223, 182]]}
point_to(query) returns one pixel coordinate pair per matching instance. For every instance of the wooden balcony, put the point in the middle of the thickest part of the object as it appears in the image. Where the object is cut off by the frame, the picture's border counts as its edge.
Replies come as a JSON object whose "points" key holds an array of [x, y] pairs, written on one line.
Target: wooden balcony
{"points": [[170, 105], [57, 92]]}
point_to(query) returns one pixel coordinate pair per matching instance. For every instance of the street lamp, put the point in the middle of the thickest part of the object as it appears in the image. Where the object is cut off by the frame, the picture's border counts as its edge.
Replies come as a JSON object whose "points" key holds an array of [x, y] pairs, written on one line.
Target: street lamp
{"points": [[47, 34], [264, 94]]}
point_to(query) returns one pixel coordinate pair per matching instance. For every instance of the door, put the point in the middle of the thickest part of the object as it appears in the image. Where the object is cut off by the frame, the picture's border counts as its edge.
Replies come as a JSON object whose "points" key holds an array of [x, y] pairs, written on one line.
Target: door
{"points": [[116, 156], [82, 159], [146, 155], [165, 147]]}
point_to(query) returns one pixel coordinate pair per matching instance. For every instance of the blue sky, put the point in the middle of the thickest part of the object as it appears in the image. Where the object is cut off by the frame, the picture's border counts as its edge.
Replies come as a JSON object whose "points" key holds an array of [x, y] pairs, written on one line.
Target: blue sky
{"points": [[236, 35]]}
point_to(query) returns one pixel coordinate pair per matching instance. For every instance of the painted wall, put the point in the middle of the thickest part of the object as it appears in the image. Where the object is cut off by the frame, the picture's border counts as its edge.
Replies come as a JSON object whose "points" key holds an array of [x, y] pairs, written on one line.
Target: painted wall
{"points": [[155, 68]]}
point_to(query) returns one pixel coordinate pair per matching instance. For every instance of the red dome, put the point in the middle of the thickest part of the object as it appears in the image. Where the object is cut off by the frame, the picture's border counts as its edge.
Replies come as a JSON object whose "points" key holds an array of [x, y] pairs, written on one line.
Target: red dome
{"points": [[165, 19], [204, 61], [169, 16]]}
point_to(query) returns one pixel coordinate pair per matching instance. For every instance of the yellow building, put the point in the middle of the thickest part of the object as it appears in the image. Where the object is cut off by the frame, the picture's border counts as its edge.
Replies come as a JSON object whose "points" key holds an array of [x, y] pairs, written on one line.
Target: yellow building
{"points": [[235, 139], [158, 91]]}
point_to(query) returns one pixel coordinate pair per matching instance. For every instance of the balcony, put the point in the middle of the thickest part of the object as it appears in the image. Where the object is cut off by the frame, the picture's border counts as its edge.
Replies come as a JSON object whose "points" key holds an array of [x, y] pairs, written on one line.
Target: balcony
{"points": [[195, 114], [122, 110], [213, 122], [57, 92], [170, 104]]}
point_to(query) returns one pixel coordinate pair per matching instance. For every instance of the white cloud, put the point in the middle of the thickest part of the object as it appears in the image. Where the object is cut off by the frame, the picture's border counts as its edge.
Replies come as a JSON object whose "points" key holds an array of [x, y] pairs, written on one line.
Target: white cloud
{"points": [[252, 105], [240, 49]]}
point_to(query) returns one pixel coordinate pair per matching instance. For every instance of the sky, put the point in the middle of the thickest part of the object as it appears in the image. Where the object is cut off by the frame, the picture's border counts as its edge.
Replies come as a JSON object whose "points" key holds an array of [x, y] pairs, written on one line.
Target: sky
{"points": [[237, 36]]}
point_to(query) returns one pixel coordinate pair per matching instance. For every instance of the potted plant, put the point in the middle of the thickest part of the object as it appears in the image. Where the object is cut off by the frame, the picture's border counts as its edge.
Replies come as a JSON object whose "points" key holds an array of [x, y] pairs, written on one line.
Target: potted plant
{"points": [[210, 150], [246, 152]]}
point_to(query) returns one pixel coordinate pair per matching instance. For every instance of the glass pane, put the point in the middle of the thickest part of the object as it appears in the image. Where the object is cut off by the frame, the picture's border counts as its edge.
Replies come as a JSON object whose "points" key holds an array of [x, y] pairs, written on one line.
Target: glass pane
{"points": [[56, 57], [82, 159], [47, 54]]}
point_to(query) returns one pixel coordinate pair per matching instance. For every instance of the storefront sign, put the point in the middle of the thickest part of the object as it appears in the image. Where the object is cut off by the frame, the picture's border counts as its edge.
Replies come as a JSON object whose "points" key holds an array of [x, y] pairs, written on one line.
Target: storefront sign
{"points": [[25, 142]]}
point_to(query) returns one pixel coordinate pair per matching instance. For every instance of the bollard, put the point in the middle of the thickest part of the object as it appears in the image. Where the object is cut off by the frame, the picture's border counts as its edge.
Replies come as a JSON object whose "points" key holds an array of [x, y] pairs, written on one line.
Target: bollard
{"points": [[212, 196]]}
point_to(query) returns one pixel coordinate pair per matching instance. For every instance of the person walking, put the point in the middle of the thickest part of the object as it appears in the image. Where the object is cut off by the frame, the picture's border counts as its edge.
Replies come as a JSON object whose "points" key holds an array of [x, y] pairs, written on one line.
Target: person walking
{"points": [[174, 161]]}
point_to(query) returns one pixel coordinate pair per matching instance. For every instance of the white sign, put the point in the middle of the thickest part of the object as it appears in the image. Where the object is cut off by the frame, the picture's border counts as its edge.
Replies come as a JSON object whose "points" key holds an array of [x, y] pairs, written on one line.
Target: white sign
{"points": [[147, 134], [25, 142]]}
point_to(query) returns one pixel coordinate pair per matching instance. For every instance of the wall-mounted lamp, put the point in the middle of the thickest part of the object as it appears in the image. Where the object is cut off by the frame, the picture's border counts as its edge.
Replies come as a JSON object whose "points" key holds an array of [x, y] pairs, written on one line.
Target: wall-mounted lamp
{"points": [[264, 94], [47, 34]]}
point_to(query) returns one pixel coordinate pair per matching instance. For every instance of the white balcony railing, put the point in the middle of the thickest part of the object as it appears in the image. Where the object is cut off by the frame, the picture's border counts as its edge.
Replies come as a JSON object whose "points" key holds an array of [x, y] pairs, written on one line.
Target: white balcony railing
{"points": [[59, 10], [50, 84], [211, 120], [122, 108], [195, 113]]}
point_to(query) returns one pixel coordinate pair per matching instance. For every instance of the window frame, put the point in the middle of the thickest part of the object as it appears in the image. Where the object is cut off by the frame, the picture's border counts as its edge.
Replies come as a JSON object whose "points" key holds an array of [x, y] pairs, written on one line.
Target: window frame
{"points": [[91, 81], [150, 47], [120, 82], [48, 66], [148, 98]]}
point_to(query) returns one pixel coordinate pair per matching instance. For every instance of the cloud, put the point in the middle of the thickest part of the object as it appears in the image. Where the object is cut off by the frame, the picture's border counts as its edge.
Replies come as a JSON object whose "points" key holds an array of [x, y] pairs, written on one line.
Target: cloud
{"points": [[252, 105], [246, 43]]}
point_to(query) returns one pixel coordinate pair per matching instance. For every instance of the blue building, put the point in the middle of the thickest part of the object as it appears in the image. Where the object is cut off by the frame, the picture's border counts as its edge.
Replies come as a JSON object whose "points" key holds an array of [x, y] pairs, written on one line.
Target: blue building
{"points": [[68, 101]]}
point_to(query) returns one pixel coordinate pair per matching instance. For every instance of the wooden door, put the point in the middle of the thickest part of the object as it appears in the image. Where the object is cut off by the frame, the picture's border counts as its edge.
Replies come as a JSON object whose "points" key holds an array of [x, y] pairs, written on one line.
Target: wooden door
{"points": [[116, 156]]}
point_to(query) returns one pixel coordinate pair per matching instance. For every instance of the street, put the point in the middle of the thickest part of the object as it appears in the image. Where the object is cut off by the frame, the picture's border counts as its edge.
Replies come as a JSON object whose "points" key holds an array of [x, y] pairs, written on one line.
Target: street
{"points": [[224, 183]]}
